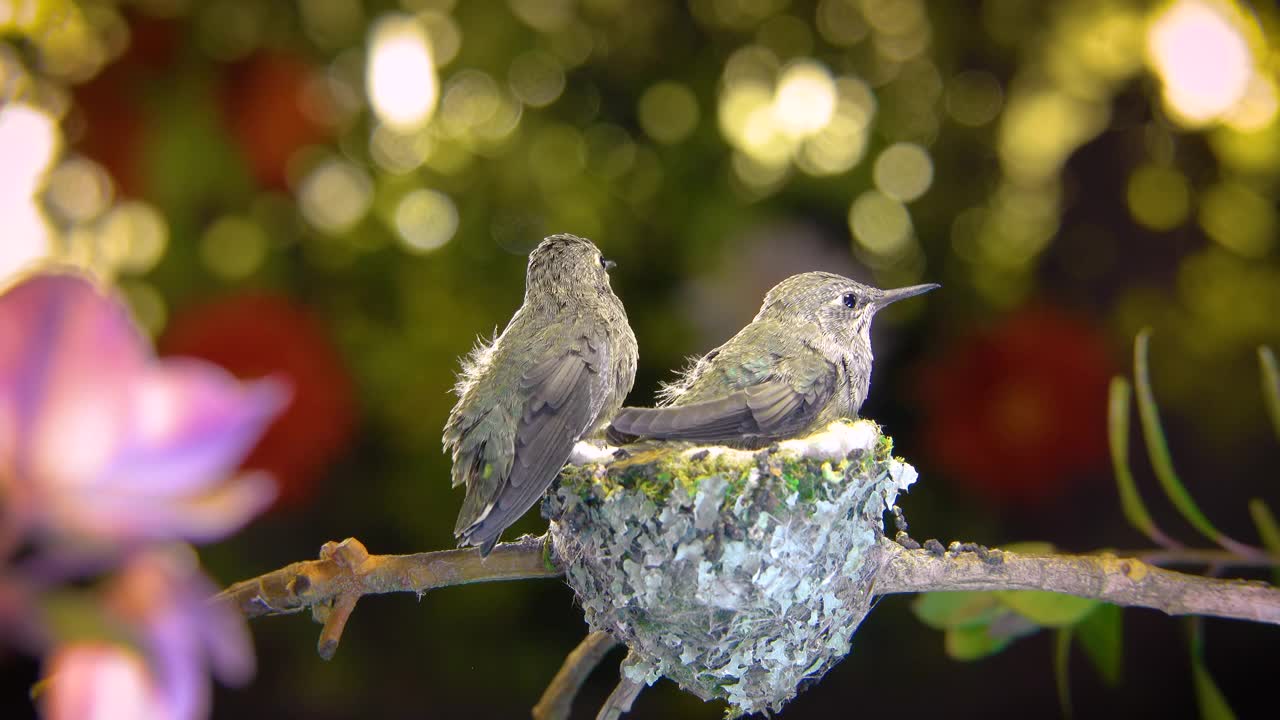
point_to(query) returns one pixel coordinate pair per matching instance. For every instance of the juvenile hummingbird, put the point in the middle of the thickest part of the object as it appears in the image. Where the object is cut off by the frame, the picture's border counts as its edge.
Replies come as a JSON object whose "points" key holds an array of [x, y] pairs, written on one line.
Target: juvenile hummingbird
{"points": [[556, 374], [804, 361]]}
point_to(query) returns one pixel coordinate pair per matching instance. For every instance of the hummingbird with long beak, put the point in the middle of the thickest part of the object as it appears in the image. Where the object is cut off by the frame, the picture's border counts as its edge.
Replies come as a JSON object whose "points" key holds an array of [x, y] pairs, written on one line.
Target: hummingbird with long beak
{"points": [[803, 362]]}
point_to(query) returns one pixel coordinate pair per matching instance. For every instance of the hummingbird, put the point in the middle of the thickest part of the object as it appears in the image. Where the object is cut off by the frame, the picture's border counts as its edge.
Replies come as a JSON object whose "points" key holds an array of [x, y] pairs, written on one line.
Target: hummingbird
{"points": [[556, 374], [804, 361]]}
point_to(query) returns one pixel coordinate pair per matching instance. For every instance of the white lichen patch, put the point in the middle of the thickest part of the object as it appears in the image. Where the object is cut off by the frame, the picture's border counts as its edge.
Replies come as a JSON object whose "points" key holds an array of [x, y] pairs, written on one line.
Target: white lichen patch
{"points": [[588, 453], [740, 575]]}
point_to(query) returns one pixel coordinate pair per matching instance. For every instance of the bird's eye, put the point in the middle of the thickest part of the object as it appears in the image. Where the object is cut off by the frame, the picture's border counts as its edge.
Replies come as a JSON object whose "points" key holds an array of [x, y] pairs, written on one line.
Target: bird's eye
{"points": [[607, 264], [850, 300]]}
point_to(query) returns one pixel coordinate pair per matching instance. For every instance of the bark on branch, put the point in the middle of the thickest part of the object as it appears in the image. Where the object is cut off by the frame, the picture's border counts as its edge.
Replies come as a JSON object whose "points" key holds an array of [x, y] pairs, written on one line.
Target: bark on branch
{"points": [[1127, 582], [345, 572], [558, 697]]}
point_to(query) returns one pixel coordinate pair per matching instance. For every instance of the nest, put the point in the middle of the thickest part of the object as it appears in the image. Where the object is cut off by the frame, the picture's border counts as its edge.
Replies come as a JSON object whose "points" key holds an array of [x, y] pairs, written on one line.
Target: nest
{"points": [[739, 575]]}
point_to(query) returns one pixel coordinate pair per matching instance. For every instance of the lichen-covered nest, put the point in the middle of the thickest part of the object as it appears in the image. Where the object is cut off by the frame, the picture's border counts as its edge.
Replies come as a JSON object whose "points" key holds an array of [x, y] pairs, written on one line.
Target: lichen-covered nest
{"points": [[740, 575]]}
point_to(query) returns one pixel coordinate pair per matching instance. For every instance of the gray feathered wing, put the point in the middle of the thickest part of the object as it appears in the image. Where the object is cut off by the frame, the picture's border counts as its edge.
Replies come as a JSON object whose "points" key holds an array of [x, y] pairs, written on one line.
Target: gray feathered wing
{"points": [[772, 409], [561, 396]]}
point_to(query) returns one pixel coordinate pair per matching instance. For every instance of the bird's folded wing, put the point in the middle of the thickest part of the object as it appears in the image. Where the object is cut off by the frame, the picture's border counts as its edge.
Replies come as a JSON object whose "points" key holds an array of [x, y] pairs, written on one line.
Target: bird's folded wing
{"points": [[562, 396], [773, 409]]}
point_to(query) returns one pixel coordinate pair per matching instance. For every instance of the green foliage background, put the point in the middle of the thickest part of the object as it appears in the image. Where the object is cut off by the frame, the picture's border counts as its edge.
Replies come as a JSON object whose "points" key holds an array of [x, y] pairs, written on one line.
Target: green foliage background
{"points": [[1058, 180]]}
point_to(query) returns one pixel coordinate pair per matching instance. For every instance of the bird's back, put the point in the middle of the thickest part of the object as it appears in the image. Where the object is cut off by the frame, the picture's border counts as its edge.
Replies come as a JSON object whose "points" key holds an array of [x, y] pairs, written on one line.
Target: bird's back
{"points": [[551, 377]]}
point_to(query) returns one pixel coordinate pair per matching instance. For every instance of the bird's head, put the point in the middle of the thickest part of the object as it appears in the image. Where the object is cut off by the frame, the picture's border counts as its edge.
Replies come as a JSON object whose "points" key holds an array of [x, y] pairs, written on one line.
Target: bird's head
{"points": [[567, 265], [840, 307]]}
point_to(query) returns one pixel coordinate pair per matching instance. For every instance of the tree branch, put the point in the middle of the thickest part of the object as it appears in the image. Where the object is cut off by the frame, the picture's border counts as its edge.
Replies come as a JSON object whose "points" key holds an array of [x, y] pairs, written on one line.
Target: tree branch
{"points": [[620, 700], [1121, 581], [346, 571], [557, 699]]}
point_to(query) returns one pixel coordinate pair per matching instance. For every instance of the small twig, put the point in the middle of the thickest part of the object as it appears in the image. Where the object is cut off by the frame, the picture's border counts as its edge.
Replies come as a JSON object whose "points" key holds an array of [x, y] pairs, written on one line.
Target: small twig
{"points": [[334, 624], [1121, 581], [346, 572], [352, 558], [619, 701], [557, 699]]}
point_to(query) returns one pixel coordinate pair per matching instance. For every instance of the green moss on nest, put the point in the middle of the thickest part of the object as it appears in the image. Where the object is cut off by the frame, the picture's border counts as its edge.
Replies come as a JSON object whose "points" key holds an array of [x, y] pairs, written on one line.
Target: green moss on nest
{"points": [[657, 472], [737, 574]]}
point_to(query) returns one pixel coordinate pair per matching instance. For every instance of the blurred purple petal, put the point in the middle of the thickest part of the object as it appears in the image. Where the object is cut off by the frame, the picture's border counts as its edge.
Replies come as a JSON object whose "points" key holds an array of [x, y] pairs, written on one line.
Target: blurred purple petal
{"points": [[99, 438], [162, 600], [191, 423], [199, 516], [98, 681], [58, 335]]}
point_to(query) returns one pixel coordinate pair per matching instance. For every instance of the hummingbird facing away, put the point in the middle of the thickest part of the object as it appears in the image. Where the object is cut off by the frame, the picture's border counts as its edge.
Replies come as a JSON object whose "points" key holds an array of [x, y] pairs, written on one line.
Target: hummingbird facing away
{"points": [[556, 373], [804, 361]]}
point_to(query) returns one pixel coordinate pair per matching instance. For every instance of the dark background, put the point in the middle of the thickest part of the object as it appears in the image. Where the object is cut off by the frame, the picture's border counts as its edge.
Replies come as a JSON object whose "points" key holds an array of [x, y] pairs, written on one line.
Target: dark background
{"points": [[1069, 206]]}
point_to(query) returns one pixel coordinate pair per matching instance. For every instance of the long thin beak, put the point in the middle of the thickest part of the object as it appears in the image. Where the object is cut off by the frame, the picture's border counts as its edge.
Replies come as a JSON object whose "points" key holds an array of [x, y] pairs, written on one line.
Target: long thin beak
{"points": [[896, 294]]}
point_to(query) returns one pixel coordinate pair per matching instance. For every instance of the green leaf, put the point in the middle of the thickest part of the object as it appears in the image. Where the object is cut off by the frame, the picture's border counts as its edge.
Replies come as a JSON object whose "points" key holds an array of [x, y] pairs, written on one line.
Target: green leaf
{"points": [[1101, 634], [1268, 531], [947, 610], [1270, 385], [1158, 446], [1062, 669], [1030, 547], [1047, 608], [973, 643], [1213, 704], [1135, 511]]}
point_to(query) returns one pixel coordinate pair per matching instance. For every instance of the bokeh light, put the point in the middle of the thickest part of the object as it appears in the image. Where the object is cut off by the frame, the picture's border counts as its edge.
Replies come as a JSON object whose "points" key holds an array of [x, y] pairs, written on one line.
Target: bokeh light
{"points": [[234, 247], [805, 99], [331, 23], [668, 112], [1041, 130], [137, 235], [974, 98], [1159, 197], [335, 195], [1239, 218], [476, 110], [78, 190], [880, 223], [537, 78], [1257, 109], [425, 219], [401, 75], [776, 116], [840, 22], [29, 141], [1199, 50], [903, 171]]}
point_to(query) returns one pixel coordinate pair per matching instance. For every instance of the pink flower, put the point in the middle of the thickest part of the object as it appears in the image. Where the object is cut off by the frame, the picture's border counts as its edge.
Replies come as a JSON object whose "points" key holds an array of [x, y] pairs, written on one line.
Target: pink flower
{"points": [[160, 601], [100, 440]]}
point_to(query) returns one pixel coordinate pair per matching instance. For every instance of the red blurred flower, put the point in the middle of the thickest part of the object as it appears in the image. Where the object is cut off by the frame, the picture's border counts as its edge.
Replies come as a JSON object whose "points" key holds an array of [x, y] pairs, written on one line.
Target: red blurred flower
{"points": [[1019, 411], [254, 334], [263, 103], [113, 102]]}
